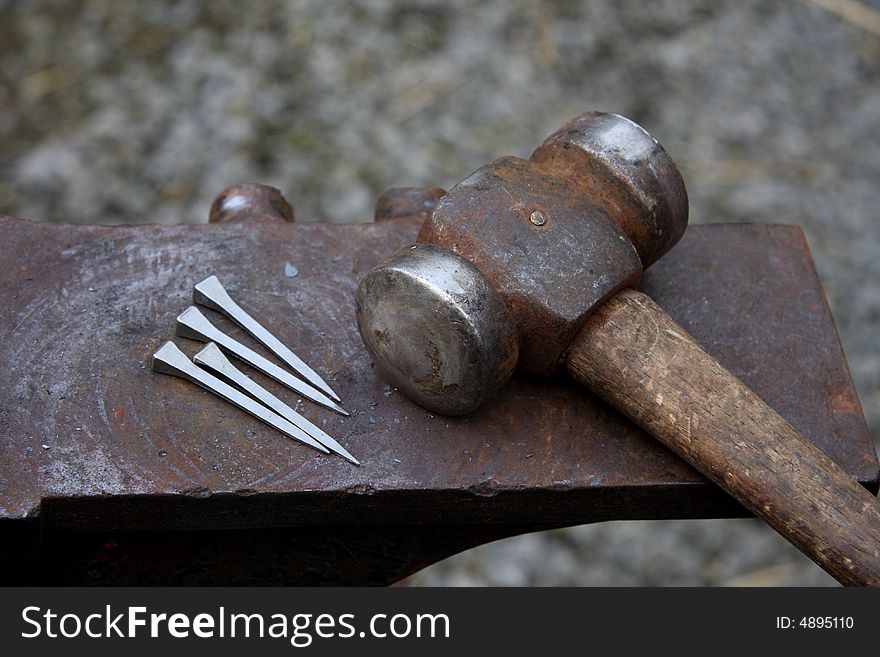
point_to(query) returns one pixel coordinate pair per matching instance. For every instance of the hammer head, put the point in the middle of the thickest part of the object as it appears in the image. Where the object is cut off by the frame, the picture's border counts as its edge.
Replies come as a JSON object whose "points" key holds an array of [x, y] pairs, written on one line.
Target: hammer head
{"points": [[546, 241], [441, 334]]}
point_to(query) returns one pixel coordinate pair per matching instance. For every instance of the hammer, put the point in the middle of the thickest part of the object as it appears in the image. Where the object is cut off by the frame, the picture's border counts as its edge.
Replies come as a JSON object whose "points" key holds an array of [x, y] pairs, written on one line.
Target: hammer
{"points": [[530, 265]]}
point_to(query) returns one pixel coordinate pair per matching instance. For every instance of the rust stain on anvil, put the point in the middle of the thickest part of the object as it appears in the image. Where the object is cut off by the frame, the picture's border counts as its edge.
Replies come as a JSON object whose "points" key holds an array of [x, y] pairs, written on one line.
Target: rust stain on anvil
{"points": [[97, 439]]}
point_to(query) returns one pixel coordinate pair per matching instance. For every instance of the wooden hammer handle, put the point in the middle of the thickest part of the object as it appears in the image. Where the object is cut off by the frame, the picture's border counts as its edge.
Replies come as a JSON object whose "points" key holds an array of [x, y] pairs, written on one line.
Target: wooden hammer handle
{"points": [[633, 355]]}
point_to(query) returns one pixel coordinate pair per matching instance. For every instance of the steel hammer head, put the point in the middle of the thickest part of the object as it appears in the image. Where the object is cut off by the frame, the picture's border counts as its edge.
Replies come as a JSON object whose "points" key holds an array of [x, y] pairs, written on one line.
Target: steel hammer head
{"points": [[544, 240]]}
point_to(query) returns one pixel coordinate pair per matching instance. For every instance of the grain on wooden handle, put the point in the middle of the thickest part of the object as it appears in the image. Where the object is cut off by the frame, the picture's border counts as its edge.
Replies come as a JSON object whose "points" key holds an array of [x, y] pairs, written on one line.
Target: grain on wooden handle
{"points": [[633, 355]]}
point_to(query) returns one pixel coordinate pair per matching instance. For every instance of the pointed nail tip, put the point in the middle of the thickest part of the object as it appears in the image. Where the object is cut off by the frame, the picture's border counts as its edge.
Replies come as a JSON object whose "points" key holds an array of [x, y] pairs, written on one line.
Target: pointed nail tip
{"points": [[336, 407], [330, 392], [345, 455], [323, 388], [348, 457]]}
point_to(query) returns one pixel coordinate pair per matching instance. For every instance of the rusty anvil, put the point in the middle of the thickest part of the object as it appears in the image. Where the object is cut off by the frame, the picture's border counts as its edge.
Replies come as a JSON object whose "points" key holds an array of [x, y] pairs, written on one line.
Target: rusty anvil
{"points": [[110, 474], [530, 264]]}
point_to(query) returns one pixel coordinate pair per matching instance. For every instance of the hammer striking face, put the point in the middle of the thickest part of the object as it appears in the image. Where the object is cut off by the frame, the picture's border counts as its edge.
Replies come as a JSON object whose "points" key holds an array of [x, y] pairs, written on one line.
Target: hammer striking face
{"points": [[445, 336]]}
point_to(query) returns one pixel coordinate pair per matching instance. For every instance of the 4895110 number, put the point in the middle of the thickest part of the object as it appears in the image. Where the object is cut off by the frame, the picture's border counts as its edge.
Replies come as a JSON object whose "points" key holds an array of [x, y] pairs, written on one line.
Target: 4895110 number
{"points": [[815, 622]]}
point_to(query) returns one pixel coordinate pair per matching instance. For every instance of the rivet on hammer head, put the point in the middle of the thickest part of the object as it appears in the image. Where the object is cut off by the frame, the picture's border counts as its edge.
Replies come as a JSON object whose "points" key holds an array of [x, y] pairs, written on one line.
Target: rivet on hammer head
{"points": [[538, 218]]}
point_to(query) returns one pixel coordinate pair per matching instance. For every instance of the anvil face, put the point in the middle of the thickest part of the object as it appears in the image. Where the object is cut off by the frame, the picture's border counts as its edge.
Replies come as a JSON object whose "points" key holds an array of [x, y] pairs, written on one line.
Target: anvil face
{"points": [[549, 250]]}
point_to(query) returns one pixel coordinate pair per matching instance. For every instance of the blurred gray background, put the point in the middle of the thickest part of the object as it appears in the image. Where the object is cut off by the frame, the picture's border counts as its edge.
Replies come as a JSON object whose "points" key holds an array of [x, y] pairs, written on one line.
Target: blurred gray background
{"points": [[127, 112]]}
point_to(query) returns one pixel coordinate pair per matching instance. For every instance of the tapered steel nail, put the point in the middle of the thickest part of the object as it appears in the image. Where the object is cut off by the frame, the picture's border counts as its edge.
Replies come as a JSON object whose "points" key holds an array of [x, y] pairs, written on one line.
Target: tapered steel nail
{"points": [[211, 293], [169, 359], [211, 358], [191, 323]]}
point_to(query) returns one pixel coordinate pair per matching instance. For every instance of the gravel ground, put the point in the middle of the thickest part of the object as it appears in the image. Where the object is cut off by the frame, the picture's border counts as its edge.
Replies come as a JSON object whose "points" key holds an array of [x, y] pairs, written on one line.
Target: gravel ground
{"points": [[124, 112]]}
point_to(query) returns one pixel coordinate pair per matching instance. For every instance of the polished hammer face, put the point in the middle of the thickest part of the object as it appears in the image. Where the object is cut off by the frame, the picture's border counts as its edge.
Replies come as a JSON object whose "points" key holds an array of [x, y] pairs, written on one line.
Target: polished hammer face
{"points": [[436, 329]]}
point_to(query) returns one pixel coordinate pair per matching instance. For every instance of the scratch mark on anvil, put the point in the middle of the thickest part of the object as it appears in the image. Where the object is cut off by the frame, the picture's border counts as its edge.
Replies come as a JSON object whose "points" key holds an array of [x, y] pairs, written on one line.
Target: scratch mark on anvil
{"points": [[102, 411], [259, 480], [119, 414], [31, 310], [132, 410], [172, 442], [139, 476], [84, 429], [294, 473]]}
